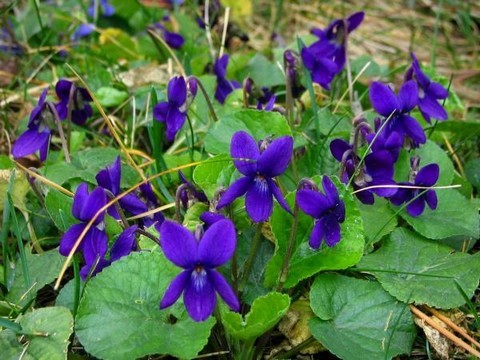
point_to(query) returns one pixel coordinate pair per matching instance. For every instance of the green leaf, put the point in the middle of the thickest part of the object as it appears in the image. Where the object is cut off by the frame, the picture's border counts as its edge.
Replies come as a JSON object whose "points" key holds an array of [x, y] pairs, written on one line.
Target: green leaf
{"points": [[59, 207], [472, 171], [429, 153], [43, 269], [192, 216], [90, 161], [66, 295], [372, 70], [357, 319], [454, 215], [213, 173], [119, 314], [60, 172], [109, 96], [378, 220], [19, 190], [265, 312], [264, 72], [462, 130], [6, 162], [414, 269], [48, 330], [255, 284], [306, 261], [259, 124]]}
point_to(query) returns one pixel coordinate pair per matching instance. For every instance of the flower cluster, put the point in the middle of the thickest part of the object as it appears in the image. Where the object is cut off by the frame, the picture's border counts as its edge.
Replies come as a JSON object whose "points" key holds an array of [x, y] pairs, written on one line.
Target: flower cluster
{"points": [[395, 128], [94, 245]]}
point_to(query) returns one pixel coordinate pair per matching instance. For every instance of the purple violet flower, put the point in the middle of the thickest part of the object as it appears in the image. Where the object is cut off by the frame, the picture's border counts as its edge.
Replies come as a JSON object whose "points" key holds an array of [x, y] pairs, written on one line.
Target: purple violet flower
{"points": [[292, 65], [81, 109], [326, 57], [426, 177], [209, 218], [328, 211], [83, 30], [397, 109], [199, 281], [377, 169], [109, 179], [263, 95], [429, 92], [391, 142], [332, 40], [152, 203], [259, 166], [107, 8], [173, 39], [322, 69], [224, 86], [189, 193], [174, 111], [37, 136], [95, 243], [123, 246]]}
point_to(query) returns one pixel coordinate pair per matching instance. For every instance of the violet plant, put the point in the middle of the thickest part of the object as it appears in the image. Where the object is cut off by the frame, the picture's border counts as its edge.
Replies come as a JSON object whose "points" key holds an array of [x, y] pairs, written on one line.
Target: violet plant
{"points": [[278, 211]]}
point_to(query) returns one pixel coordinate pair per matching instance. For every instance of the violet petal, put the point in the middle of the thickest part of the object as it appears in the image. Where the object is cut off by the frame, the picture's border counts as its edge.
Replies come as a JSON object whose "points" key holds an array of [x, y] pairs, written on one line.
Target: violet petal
{"points": [[178, 244], [275, 159], [237, 189], [199, 296], [259, 200], [217, 244], [175, 289], [244, 146], [224, 290]]}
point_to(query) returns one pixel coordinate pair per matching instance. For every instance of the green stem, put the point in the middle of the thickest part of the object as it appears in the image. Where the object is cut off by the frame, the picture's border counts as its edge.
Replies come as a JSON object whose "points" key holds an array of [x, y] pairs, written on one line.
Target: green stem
{"points": [[76, 295], [251, 257], [148, 235], [69, 113], [289, 251], [192, 135], [60, 131], [5, 230], [207, 99]]}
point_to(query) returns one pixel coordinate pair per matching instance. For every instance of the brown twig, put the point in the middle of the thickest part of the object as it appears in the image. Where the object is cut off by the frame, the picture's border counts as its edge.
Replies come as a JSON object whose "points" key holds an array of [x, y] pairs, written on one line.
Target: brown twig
{"points": [[449, 335], [454, 326]]}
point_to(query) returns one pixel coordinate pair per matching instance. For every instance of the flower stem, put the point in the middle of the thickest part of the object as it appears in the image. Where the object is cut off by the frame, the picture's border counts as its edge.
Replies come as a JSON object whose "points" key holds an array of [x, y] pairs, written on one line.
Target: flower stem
{"points": [[289, 251], [207, 99], [148, 235], [69, 113], [60, 131], [192, 135], [119, 209], [251, 256], [76, 295], [289, 101]]}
